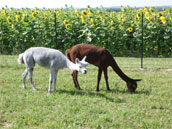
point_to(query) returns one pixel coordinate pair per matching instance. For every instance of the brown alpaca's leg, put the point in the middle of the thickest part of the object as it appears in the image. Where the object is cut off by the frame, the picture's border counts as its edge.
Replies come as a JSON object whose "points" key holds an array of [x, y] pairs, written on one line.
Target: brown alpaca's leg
{"points": [[99, 78], [106, 78], [75, 73], [75, 79]]}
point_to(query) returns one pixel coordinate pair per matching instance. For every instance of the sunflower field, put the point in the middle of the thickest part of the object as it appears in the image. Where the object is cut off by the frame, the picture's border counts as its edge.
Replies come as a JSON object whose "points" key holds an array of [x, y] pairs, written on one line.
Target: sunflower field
{"points": [[118, 31]]}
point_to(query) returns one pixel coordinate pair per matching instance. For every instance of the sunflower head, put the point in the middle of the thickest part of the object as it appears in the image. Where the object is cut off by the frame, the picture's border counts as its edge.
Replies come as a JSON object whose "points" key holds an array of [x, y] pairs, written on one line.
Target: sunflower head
{"points": [[130, 29], [138, 16], [160, 14], [67, 26], [65, 22], [25, 19], [140, 10], [151, 9], [92, 21], [9, 20], [145, 10], [147, 15], [163, 19], [84, 13], [76, 12]]}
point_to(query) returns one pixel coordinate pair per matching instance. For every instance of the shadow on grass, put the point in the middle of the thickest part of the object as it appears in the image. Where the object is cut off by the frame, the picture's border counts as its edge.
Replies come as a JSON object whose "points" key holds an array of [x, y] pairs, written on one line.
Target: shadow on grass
{"points": [[98, 94], [146, 92], [85, 93]]}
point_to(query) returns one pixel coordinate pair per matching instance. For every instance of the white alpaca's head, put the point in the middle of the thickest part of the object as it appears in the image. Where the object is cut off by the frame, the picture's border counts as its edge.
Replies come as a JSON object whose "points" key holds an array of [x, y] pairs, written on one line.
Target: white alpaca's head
{"points": [[81, 65]]}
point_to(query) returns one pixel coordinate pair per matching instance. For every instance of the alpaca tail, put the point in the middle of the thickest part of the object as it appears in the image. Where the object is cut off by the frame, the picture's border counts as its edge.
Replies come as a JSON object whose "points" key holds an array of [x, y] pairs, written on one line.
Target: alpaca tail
{"points": [[20, 59], [68, 54]]}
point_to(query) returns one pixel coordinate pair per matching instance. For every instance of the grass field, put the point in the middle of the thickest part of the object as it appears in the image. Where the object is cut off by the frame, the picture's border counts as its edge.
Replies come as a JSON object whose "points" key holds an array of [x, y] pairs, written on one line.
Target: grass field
{"points": [[150, 107]]}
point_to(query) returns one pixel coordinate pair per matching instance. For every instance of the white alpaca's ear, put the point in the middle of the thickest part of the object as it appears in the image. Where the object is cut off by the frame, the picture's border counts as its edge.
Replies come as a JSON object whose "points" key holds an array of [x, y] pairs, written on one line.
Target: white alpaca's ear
{"points": [[84, 58], [77, 61]]}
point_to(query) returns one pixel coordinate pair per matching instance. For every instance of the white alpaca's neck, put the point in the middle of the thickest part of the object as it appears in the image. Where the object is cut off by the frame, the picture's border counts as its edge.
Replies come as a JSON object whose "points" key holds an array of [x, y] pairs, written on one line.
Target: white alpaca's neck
{"points": [[71, 65]]}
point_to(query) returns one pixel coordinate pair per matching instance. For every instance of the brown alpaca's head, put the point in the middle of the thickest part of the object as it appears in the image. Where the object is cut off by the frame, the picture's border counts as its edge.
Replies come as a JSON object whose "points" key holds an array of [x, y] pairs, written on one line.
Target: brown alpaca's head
{"points": [[132, 85]]}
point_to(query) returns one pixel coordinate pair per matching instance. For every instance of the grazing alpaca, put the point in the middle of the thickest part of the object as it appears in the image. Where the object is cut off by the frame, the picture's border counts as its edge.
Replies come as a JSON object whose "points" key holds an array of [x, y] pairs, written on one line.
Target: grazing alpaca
{"points": [[101, 58], [49, 58]]}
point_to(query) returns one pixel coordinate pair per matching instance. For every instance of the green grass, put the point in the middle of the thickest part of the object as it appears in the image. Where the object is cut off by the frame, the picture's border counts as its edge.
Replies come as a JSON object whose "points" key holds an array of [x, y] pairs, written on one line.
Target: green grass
{"points": [[150, 107]]}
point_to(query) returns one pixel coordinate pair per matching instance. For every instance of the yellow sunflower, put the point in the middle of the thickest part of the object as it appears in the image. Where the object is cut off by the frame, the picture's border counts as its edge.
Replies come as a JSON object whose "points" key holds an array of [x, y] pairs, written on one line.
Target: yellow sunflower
{"points": [[65, 22], [76, 12], [122, 9], [9, 20], [145, 10], [140, 10], [17, 18], [67, 26], [4, 12], [82, 19], [147, 15], [138, 16], [56, 12], [103, 20], [163, 19], [45, 16], [151, 9], [154, 14], [160, 14], [130, 29], [84, 13], [33, 14], [24, 19], [111, 23], [92, 21], [98, 12]]}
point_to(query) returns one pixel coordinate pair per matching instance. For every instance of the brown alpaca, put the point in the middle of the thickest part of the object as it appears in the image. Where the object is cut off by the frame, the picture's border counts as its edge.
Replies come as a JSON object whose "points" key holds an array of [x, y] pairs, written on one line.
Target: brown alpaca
{"points": [[101, 58]]}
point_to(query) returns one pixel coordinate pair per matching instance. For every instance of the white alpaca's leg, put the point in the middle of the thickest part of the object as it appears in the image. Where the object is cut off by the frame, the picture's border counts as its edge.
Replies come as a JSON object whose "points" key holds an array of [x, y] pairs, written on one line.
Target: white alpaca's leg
{"points": [[54, 79], [50, 80], [24, 78], [30, 73]]}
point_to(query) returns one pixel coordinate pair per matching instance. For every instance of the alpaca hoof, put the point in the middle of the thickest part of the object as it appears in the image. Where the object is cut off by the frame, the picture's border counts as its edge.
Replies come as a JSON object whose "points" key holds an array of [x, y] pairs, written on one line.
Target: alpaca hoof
{"points": [[78, 88]]}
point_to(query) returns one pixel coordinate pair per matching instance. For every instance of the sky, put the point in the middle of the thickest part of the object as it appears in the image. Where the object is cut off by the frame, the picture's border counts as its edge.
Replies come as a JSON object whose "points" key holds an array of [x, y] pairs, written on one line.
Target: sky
{"points": [[82, 3]]}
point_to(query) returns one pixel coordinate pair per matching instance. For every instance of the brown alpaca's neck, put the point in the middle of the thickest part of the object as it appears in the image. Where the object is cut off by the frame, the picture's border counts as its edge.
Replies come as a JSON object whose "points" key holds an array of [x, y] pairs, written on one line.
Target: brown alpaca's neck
{"points": [[116, 68]]}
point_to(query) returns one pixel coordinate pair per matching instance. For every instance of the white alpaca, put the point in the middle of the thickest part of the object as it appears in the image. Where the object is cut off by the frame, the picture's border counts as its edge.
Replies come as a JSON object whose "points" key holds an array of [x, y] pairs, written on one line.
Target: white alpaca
{"points": [[49, 58]]}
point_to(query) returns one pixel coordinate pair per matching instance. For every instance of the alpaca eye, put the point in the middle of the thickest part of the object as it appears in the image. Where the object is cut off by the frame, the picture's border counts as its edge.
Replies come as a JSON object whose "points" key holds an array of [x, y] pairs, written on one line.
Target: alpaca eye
{"points": [[80, 67]]}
